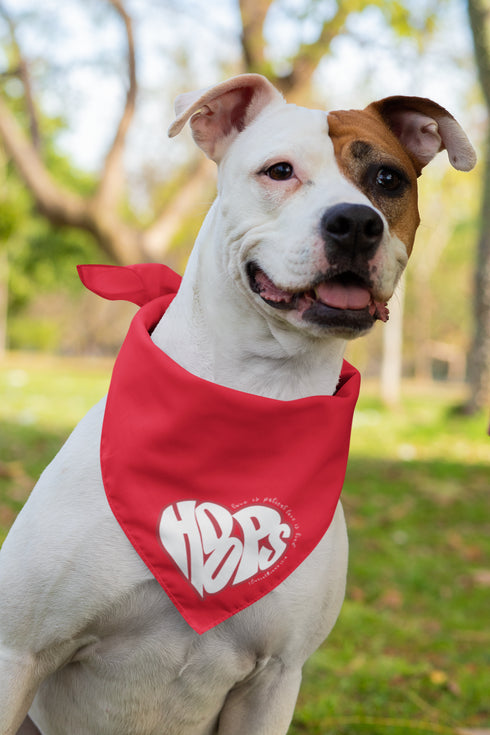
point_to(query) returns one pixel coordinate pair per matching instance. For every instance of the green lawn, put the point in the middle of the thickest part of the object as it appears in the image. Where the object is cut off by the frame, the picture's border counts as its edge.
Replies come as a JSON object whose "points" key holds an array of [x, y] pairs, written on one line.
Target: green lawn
{"points": [[411, 650]]}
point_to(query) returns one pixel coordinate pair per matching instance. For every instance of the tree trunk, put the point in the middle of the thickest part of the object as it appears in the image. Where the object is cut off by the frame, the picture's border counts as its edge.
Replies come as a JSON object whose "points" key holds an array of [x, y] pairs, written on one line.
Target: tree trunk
{"points": [[391, 366], [4, 280], [479, 354]]}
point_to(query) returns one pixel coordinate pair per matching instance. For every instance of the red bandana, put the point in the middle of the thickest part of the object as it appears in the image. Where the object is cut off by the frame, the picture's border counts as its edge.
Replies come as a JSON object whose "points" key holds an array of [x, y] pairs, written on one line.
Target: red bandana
{"points": [[222, 493]]}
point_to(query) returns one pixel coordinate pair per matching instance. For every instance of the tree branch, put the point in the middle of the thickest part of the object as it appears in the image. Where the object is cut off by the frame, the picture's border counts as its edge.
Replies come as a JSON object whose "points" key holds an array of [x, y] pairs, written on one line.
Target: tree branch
{"points": [[50, 198], [297, 82], [307, 59], [61, 207], [253, 14], [112, 176], [479, 16], [158, 237], [22, 72], [97, 215]]}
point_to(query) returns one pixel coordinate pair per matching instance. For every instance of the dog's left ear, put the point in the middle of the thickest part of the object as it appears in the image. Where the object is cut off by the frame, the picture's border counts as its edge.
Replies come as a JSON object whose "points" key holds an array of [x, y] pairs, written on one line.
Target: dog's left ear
{"points": [[219, 113], [424, 128]]}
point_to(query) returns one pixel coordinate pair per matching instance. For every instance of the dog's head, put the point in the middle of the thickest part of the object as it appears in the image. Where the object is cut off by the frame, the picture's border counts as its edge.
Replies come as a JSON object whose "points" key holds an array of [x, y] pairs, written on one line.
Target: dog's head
{"points": [[318, 211]]}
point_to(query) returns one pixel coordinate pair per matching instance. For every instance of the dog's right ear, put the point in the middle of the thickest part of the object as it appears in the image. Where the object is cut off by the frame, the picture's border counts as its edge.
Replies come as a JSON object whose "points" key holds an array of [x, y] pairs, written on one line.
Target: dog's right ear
{"points": [[219, 113]]}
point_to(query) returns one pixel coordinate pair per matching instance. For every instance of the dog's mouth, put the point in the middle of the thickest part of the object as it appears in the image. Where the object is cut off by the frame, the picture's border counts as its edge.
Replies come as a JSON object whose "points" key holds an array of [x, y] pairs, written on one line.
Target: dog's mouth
{"points": [[342, 300]]}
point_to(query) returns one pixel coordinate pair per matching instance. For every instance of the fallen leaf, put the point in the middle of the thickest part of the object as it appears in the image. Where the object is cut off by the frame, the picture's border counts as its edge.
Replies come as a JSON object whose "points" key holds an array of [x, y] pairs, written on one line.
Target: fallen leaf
{"points": [[437, 677], [392, 598], [481, 577]]}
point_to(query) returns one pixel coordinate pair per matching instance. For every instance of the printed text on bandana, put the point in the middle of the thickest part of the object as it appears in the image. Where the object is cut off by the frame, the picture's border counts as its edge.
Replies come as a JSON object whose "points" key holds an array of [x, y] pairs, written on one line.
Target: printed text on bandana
{"points": [[214, 548]]}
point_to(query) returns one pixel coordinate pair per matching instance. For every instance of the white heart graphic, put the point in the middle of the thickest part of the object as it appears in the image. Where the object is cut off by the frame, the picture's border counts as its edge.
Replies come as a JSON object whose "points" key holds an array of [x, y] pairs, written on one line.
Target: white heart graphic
{"points": [[214, 548]]}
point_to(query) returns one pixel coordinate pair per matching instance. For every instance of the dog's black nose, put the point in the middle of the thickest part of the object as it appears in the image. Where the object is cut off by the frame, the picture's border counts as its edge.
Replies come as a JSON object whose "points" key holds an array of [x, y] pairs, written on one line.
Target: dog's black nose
{"points": [[351, 229]]}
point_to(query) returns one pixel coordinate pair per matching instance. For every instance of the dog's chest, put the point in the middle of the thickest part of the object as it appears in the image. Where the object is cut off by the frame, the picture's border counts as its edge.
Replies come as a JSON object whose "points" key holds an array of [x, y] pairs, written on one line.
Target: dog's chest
{"points": [[142, 667], [144, 670]]}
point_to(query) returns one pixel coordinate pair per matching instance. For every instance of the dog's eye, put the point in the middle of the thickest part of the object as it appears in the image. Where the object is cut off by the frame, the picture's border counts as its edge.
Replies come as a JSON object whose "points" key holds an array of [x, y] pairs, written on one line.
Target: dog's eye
{"points": [[280, 171], [388, 178]]}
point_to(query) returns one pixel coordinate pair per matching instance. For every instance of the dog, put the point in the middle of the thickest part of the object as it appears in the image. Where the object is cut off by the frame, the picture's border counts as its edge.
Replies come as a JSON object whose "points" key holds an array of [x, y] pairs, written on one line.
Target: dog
{"points": [[313, 225]]}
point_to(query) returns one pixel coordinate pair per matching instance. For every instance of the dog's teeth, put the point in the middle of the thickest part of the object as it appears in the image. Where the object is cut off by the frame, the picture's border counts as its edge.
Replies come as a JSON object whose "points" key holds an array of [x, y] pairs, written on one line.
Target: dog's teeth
{"points": [[379, 310]]}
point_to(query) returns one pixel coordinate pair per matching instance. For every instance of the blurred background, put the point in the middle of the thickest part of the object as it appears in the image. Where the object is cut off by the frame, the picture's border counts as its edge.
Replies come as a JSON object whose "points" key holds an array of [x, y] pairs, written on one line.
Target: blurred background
{"points": [[87, 174]]}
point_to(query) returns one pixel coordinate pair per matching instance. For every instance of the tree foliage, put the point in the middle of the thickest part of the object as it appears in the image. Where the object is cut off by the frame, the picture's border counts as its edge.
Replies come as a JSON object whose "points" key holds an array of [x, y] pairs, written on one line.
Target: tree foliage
{"points": [[97, 208], [98, 212]]}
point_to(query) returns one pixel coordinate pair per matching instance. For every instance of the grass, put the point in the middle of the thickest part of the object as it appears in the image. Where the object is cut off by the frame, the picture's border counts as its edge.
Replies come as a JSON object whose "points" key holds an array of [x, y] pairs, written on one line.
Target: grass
{"points": [[411, 651]]}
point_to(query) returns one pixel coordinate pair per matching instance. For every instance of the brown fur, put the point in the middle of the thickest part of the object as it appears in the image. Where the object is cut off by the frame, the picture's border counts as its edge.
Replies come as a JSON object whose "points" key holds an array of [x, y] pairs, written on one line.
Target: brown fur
{"points": [[361, 140]]}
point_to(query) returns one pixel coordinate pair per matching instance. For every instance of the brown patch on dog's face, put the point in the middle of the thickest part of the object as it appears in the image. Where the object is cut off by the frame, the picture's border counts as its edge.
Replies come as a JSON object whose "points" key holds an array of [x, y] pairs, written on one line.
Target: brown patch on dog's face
{"points": [[370, 155]]}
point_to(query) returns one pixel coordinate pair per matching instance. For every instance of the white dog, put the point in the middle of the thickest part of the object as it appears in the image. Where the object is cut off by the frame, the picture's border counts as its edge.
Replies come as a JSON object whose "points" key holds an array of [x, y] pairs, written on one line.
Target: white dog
{"points": [[313, 224]]}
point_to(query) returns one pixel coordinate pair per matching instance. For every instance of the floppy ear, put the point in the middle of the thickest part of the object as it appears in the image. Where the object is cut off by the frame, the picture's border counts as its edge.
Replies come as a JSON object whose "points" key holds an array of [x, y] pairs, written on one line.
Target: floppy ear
{"points": [[219, 113], [424, 128]]}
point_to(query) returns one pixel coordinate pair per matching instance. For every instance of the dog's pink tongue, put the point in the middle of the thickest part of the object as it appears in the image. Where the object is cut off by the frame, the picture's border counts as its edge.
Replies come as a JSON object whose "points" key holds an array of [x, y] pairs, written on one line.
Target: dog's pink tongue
{"points": [[343, 297]]}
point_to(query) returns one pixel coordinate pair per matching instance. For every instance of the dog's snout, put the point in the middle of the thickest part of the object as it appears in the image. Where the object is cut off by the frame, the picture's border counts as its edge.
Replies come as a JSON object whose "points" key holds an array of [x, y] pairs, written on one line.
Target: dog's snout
{"points": [[352, 228]]}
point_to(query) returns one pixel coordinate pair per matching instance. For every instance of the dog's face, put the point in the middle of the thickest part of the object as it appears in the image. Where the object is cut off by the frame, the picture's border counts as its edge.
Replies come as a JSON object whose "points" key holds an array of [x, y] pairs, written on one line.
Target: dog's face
{"points": [[318, 211], [319, 228]]}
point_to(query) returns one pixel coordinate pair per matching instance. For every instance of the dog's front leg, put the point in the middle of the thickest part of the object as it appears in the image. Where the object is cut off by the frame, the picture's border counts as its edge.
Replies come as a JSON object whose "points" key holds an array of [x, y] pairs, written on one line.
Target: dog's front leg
{"points": [[19, 680], [263, 704]]}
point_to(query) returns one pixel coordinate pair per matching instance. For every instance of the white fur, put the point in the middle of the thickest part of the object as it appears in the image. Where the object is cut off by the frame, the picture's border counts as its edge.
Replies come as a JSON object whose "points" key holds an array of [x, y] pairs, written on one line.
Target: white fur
{"points": [[89, 642]]}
